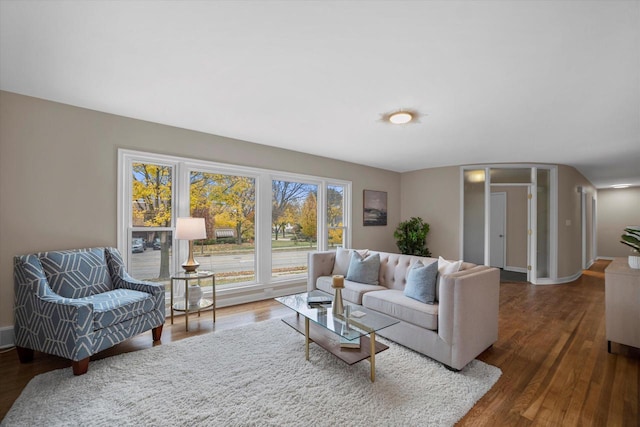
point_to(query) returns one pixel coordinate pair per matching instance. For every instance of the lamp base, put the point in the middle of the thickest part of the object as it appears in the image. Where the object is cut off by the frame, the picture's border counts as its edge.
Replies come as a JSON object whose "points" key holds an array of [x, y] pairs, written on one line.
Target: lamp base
{"points": [[190, 265], [190, 268]]}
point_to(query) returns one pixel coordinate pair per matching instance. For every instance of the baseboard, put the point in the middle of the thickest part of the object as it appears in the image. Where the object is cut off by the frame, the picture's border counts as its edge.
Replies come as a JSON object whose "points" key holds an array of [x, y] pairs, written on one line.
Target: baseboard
{"points": [[590, 263], [608, 258], [6, 337], [236, 296], [559, 280], [515, 269]]}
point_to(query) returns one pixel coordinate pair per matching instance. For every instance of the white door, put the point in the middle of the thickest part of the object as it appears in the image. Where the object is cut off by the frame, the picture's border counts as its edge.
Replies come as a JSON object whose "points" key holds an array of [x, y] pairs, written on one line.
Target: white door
{"points": [[497, 227]]}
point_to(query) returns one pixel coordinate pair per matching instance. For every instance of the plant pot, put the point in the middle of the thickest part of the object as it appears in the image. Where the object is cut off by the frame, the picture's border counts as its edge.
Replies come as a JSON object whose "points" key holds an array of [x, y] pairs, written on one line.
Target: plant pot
{"points": [[634, 261]]}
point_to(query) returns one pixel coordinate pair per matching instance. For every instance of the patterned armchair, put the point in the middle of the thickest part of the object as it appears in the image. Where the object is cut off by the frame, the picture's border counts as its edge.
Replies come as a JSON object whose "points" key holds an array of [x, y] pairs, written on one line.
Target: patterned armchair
{"points": [[76, 303]]}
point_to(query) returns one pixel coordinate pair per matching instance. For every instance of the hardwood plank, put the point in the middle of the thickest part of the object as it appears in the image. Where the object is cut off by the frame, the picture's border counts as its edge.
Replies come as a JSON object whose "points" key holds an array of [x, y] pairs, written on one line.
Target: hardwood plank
{"points": [[551, 349]]}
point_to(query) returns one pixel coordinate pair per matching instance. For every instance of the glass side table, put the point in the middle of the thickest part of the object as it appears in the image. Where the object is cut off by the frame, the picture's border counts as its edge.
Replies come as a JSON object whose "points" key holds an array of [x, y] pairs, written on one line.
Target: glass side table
{"points": [[183, 304]]}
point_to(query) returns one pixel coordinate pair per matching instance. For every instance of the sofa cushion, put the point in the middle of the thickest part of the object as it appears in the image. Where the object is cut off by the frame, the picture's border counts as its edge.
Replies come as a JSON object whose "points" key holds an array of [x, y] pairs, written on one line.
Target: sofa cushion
{"points": [[343, 258], [394, 303], [76, 273], [110, 308], [352, 291], [421, 282], [364, 270], [341, 264], [448, 267]]}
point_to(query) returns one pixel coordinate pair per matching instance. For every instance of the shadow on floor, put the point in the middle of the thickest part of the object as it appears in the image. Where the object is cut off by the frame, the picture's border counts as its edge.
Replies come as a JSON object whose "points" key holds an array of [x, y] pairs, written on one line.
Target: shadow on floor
{"points": [[512, 276]]}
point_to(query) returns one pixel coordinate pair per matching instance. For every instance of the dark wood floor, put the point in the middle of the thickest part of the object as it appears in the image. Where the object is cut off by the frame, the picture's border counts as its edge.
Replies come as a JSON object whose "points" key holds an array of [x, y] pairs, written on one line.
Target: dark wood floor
{"points": [[552, 352]]}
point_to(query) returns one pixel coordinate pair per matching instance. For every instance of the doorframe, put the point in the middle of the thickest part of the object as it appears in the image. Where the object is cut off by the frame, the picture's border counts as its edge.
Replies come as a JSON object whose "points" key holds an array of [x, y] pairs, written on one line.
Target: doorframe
{"points": [[532, 246]]}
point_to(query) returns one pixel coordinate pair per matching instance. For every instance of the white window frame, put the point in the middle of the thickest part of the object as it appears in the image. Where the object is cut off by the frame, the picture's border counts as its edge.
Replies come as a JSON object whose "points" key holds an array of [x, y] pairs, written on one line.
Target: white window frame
{"points": [[182, 168]]}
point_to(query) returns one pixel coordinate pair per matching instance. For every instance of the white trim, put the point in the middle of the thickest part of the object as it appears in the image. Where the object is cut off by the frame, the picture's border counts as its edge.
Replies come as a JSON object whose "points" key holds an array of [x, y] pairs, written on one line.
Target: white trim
{"points": [[553, 223], [7, 339], [461, 212], [559, 280], [487, 216], [608, 258], [515, 269], [583, 226], [594, 228]]}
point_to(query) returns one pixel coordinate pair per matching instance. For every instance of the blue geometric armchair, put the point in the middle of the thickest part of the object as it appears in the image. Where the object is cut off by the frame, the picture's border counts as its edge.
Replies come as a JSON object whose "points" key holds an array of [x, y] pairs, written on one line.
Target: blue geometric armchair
{"points": [[76, 303]]}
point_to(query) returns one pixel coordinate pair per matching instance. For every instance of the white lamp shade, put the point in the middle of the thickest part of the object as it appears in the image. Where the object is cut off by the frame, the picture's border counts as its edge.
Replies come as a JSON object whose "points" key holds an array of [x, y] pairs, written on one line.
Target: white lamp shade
{"points": [[190, 229]]}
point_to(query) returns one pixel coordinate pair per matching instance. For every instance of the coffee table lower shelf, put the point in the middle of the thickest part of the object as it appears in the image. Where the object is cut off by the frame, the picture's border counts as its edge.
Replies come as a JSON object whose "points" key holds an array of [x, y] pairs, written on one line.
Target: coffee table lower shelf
{"points": [[328, 340]]}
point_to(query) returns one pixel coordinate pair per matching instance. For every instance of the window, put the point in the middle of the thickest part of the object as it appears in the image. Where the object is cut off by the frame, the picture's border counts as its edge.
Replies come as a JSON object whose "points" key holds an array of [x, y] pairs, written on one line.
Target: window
{"points": [[260, 224], [149, 229], [335, 216], [227, 203], [294, 215]]}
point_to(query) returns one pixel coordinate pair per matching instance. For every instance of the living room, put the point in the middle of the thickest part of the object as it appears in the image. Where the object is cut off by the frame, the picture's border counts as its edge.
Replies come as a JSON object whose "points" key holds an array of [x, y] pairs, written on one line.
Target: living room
{"points": [[67, 114]]}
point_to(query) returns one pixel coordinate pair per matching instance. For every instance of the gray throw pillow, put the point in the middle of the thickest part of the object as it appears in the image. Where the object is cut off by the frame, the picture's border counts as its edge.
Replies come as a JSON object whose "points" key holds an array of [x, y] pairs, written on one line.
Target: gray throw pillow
{"points": [[421, 282], [364, 270]]}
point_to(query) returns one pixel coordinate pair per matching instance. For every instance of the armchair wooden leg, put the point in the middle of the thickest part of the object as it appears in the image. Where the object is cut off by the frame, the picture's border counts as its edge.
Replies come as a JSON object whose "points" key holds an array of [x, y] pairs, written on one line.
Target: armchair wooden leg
{"points": [[157, 333], [25, 354], [80, 367]]}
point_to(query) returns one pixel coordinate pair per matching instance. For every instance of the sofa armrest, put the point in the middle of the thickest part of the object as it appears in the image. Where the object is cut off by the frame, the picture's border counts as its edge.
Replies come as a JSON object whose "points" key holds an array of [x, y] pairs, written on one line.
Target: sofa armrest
{"points": [[319, 264], [468, 308]]}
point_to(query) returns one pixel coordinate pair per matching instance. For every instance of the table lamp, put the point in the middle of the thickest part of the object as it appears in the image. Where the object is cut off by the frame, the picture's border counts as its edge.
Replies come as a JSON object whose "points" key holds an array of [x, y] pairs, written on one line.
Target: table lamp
{"points": [[190, 229]]}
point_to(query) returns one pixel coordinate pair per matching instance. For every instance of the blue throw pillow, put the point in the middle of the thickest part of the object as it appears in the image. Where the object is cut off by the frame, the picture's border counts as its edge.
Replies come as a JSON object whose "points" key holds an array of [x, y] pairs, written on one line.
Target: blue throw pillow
{"points": [[364, 270], [421, 282]]}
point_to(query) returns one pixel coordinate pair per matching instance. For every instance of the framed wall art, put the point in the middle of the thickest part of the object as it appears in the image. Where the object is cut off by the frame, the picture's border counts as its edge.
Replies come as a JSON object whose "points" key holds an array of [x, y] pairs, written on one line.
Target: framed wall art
{"points": [[374, 207]]}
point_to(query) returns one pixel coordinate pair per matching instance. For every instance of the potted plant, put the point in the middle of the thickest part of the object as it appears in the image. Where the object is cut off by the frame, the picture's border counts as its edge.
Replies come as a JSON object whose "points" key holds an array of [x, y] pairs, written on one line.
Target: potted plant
{"points": [[631, 238], [411, 237]]}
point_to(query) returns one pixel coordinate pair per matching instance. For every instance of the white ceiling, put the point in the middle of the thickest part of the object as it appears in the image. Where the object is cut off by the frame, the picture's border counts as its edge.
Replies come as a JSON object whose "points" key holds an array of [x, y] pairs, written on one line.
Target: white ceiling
{"points": [[496, 81]]}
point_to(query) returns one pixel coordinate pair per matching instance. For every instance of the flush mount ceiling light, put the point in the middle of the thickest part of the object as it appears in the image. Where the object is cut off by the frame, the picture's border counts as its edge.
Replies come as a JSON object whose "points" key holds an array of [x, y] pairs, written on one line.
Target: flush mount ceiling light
{"points": [[621, 186], [401, 117]]}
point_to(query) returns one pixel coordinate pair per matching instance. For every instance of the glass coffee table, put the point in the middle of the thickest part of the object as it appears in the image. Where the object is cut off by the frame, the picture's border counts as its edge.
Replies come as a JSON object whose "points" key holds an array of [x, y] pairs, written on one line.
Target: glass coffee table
{"points": [[336, 333]]}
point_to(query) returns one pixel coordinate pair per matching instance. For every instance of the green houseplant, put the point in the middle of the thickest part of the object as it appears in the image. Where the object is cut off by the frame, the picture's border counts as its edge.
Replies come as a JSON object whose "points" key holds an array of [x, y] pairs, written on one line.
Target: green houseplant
{"points": [[631, 238], [411, 237]]}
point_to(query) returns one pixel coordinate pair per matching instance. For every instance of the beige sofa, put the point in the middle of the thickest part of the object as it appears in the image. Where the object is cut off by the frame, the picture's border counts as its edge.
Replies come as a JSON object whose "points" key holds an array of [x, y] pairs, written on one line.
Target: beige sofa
{"points": [[461, 324]]}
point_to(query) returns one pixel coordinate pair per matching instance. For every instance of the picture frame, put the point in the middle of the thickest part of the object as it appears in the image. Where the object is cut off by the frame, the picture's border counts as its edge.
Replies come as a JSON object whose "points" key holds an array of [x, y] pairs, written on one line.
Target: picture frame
{"points": [[374, 210]]}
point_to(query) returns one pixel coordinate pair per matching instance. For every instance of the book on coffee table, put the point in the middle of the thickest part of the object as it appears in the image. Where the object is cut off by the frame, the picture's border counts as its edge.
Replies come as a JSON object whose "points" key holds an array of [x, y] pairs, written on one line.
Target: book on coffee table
{"points": [[318, 300], [345, 343]]}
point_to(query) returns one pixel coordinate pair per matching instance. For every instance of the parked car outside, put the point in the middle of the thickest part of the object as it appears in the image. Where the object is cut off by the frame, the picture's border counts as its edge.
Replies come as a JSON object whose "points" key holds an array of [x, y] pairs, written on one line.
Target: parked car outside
{"points": [[137, 246], [156, 244]]}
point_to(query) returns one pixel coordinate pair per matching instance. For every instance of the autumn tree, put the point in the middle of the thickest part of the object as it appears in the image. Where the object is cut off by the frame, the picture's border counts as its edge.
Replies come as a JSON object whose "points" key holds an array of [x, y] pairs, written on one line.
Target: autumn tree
{"points": [[308, 218], [285, 196], [224, 200], [152, 204]]}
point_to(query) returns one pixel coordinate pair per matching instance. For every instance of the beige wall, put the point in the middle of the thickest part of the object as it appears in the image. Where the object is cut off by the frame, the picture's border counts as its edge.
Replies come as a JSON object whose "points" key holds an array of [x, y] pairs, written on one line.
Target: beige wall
{"points": [[616, 209], [442, 212], [570, 219], [434, 195], [58, 167]]}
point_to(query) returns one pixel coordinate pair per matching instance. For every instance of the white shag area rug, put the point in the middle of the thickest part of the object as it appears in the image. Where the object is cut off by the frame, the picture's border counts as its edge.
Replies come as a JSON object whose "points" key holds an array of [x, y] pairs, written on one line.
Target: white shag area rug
{"points": [[254, 375]]}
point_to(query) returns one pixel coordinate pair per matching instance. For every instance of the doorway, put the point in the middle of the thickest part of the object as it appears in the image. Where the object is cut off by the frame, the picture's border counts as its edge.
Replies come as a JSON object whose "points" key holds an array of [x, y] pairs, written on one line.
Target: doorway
{"points": [[498, 227], [487, 233]]}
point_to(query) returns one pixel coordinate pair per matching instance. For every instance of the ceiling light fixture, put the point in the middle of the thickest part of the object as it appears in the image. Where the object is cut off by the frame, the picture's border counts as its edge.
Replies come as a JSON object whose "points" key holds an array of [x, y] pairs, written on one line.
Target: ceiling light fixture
{"points": [[400, 118], [621, 186]]}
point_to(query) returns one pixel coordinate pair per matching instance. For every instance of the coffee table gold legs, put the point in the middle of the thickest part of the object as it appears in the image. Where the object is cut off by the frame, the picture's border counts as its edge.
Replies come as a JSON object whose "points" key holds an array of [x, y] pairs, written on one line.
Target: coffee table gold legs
{"points": [[306, 337], [372, 357]]}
